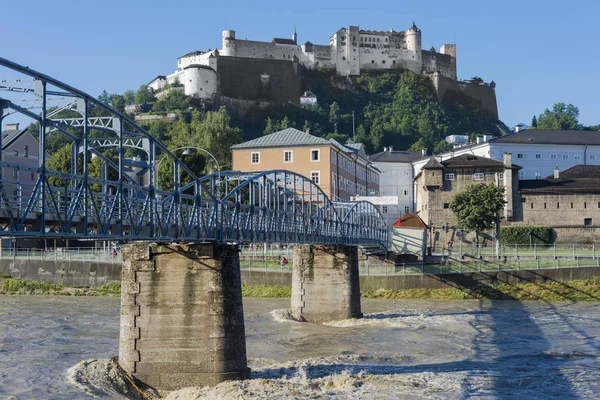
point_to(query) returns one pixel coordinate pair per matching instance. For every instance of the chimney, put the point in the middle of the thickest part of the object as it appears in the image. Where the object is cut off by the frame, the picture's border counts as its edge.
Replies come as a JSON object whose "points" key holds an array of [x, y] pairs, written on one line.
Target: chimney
{"points": [[307, 131], [424, 152], [10, 127], [556, 172], [508, 160], [391, 148]]}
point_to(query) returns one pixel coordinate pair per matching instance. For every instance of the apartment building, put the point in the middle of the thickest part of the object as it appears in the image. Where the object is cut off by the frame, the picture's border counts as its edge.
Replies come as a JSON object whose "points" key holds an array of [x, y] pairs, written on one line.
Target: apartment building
{"points": [[19, 147], [341, 171]]}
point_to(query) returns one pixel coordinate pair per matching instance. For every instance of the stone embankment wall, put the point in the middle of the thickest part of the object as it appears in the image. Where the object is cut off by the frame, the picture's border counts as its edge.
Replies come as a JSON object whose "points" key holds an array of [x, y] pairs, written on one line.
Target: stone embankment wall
{"points": [[397, 282], [72, 273]]}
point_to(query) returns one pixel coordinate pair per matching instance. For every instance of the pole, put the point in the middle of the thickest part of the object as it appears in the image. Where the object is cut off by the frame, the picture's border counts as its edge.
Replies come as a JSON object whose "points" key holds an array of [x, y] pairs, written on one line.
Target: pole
{"points": [[353, 130]]}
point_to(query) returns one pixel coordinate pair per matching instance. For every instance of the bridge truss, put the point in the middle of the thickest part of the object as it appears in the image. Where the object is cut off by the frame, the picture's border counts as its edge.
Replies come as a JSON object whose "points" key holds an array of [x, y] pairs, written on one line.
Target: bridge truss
{"points": [[127, 202]]}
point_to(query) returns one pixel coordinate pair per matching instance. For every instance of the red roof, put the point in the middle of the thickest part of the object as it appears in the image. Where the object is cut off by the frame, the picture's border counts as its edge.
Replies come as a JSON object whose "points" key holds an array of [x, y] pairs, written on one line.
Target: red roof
{"points": [[410, 220]]}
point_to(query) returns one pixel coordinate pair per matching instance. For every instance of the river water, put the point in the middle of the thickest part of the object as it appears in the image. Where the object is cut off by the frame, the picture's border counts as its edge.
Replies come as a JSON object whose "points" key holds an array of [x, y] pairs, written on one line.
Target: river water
{"points": [[401, 349]]}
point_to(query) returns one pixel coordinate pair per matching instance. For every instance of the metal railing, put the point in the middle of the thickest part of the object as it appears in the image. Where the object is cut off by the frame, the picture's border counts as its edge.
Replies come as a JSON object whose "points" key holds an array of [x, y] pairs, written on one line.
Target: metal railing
{"points": [[84, 254]]}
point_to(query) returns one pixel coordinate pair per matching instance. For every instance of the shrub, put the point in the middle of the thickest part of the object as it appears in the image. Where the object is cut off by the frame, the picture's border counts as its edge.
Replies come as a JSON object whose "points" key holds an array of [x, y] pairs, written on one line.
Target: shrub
{"points": [[513, 235]]}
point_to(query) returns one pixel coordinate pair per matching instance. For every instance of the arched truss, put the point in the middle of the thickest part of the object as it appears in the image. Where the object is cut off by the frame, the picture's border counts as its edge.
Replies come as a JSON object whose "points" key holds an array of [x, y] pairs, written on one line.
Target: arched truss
{"points": [[126, 203]]}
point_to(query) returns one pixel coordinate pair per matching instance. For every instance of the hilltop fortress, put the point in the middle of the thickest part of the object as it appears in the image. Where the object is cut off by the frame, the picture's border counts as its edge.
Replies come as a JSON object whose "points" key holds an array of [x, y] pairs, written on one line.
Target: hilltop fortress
{"points": [[250, 71]]}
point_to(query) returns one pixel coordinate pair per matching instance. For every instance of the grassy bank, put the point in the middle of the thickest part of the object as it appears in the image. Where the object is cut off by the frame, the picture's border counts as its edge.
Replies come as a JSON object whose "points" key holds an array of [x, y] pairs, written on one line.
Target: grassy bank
{"points": [[21, 286], [586, 290]]}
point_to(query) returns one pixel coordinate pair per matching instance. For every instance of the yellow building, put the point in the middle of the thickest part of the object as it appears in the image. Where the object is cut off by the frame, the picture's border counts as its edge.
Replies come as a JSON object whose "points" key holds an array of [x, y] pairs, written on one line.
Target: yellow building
{"points": [[341, 171]]}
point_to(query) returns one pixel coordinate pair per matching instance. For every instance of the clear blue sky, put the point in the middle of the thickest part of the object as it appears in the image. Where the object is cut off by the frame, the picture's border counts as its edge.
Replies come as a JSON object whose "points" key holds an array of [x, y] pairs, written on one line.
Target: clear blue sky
{"points": [[537, 51]]}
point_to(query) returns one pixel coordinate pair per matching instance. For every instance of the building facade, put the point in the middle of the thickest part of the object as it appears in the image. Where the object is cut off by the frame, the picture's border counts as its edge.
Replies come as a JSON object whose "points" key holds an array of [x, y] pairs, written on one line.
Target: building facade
{"points": [[396, 179], [341, 171], [537, 151], [19, 146]]}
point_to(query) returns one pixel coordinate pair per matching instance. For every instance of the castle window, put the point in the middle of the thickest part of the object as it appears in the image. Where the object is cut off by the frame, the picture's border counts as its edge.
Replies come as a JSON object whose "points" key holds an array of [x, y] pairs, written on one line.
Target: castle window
{"points": [[344, 58], [571, 204], [383, 61], [255, 157], [545, 205], [532, 205], [449, 177], [372, 61], [585, 204], [479, 176], [446, 205], [587, 221], [523, 200], [557, 205]]}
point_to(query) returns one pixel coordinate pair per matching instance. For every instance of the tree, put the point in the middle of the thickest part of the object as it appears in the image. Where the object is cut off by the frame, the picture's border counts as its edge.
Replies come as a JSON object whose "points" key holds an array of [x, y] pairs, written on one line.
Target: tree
{"points": [[173, 101], [534, 122], [334, 111], [561, 117], [144, 95], [477, 208]]}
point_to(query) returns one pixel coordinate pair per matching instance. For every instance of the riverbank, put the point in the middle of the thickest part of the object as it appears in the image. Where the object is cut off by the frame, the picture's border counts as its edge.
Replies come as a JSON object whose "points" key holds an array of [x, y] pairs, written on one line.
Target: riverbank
{"points": [[580, 290]]}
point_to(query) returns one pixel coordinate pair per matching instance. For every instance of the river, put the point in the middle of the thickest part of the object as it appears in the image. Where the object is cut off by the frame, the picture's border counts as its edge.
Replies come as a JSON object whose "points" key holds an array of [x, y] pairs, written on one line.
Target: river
{"points": [[401, 349]]}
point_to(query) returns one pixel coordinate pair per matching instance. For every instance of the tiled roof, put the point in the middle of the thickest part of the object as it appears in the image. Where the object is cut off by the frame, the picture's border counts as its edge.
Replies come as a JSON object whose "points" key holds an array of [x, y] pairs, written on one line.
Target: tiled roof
{"points": [[286, 137], [10, 135], [433, 163], [410, 220], [470, 160], [395, 156], [542, 136], [283, 41], [577, 179]]}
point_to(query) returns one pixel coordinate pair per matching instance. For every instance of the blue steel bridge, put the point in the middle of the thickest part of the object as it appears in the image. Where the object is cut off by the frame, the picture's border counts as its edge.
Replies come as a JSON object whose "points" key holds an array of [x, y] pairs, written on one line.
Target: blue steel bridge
{"points": [[130, 203]]}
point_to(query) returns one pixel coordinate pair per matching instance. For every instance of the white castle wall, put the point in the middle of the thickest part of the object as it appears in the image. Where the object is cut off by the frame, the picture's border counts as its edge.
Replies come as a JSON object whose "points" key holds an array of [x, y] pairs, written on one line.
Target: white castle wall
{"points": [[200, 82]]}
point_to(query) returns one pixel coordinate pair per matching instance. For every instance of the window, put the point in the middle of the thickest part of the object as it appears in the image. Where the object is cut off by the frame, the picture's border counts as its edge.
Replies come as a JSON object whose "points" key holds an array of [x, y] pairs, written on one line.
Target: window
{"points": [[141, 181], [449, 177], [32, 176], [25, 151], [532, 204], [585, 204], [16, 153], [587, 221], [384, 209], [553, 156], [557, 205], [315, 176], [592, 157], [523, 200], [446, 205], [565, 156], [577, 157], [15, 173], [571, 204], [255, 158], [501, 176], [287, 156], [519, 155], [405, 192], [545, 206], [538, 156], [538, 175], [479, 176], [315, 155], [406, 210], [521, 175]]}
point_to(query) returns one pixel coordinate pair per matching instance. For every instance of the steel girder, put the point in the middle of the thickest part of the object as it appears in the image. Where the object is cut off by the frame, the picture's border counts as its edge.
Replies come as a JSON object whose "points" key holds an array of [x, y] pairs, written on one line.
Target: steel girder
{"points": [[230, 206]]}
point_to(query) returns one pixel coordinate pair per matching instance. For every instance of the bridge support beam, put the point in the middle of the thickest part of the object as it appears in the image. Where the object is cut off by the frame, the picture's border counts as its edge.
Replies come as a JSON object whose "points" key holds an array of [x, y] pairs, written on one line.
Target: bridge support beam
{"points": [[182, 321], [325, 283]]}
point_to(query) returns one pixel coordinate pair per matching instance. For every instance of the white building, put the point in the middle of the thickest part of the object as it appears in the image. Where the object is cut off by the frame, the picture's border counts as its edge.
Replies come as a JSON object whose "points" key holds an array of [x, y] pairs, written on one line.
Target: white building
{"points": [[396, 179], [538, 151]]}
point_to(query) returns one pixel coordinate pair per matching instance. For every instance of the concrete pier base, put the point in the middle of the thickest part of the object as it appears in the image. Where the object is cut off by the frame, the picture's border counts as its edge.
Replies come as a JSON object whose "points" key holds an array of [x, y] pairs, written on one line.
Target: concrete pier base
{"points": [[182, 321], [325, 283]]}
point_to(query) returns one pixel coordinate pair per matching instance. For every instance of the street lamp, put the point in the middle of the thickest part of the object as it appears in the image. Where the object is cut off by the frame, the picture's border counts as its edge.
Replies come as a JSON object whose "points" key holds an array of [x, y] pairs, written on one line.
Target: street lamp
{"points": [[189, 151]]}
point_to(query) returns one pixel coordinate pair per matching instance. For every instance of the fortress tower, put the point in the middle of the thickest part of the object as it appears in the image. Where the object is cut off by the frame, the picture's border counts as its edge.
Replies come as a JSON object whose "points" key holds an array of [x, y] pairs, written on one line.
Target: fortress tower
{"points": [[413, 38], [228, 43]]}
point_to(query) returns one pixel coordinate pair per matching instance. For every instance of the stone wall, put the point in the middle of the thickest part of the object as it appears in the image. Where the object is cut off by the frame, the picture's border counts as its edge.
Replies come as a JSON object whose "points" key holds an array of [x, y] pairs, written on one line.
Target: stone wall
{"points": [[568, 210], [71, 273], [240, 78], [484, 93], [434, 62]]}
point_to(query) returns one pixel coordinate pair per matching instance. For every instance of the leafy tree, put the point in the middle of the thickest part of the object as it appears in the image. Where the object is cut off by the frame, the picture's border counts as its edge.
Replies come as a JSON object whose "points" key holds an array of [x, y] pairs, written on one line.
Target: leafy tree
{"points": [[561, 117], [477, 208], [129, 97], [104, 97], [117, 102], [534, 122], [334, 111], [144, 95], [174, 100]]}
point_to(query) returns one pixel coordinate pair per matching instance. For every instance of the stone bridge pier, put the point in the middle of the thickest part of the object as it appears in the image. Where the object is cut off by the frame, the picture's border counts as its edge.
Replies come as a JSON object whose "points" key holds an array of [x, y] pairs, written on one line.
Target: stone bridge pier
{"points": [[325, 283], [182, 321]]}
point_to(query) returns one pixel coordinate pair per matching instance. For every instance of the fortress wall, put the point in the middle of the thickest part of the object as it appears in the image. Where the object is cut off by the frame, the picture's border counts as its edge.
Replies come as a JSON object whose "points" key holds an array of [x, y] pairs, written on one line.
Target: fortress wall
{"points": [[201, 59], [265, 50], [378, 59], [484, 93], [241, 78], [437, 62], [200, 82]]}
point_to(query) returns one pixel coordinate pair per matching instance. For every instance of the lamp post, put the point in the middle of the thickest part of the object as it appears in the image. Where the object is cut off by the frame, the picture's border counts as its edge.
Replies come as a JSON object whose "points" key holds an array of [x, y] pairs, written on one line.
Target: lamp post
{"points": [[189, 151]]}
